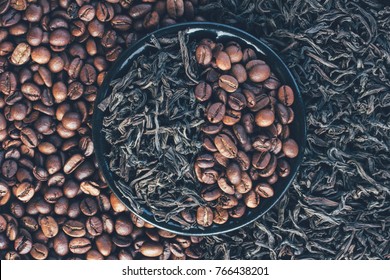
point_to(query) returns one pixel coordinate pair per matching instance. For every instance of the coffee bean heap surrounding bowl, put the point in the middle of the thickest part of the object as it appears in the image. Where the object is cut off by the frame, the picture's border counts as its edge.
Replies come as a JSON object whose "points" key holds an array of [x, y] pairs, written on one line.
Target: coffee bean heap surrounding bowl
{"points": [[54, 203], [247, 142]]}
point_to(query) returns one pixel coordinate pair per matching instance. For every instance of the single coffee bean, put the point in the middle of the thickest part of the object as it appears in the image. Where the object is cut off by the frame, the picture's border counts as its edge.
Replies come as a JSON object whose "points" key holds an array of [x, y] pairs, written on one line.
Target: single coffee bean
{"points": [[283, 113], [284, 168], [59, 38], [140, 11], [9, 168], [88, 206], [265, 118], [123, 226], [225, 186], [49, 226], [61, 244], [270, 169], [104, 11], [204, 216], [290, 148], [29, 137], [31, 91], [24, 192], [33, 13], [261, 160], [40, 55], [264, 190], [205, 161], [203, 91], [233, 173], [21, 54], [212, 129], [227, 201], [243, 160], [262, 143], [151, 249], [90, 188], [116, 204], [8, 83], [74, 228], [231, 117], [237, 211], [225, 146], [175, 8], [228, 83], [223, 61], [104, 244], [86, 13], [240, 133], [245, 184], [151, 21], [80, 245], [221, 216], [39, 251], [235, 53], [211, 193], [239, 72], [208, 144], [237, 101], [209, 176], [203, 55], [286, 95], [216, 112], [72, 163], [94, 226], [252, 199]]}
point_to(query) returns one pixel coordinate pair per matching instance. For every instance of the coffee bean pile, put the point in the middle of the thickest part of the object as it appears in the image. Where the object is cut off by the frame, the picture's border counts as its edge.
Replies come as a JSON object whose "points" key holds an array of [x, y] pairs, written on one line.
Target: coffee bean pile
{"points": [[247, 140], [54, 203]]}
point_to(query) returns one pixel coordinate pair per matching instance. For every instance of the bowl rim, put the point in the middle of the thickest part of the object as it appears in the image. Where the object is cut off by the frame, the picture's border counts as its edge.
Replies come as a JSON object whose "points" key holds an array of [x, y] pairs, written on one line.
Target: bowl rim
{"points": [[97, 135]]}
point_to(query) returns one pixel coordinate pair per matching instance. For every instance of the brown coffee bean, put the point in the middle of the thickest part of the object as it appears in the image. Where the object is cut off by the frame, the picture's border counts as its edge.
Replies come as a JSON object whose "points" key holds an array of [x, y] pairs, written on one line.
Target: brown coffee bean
{"points": [[290, 148], [270, 169], [211, 193], [237, 211], [74, 228], [286, 95], [228, 83], [239, 72], [205, 161], [204, 216], [24, 192], [49, 226], [225, 186], [175, 8], [21, 54], [9, 168], [104, 11], [40, 55], [227, 201], [72, 163], [203, 55], [251, 199], [31, 91], [151, 249], [86, 13], [283, 113], [264, 190], [209, 176], [225, 146], [245, 185], [284, 168], [116, 204], [59, 38], [75, 68], [259, 73], [231, 117], [203, 91], [235, 53], [208, 144], [140, 11], [90, 188], [104, 244], [8, 83], [223, 61], [261, 160], [33, 13], [265, 118], [212, 129], [88, 74], [88, 206], [80, 245], [151, 21], [243, 160], [123, 226], [39, 251], [233, 173], [94, 226], [61, 244], [23, 243], [237, 101], [216, 112]]}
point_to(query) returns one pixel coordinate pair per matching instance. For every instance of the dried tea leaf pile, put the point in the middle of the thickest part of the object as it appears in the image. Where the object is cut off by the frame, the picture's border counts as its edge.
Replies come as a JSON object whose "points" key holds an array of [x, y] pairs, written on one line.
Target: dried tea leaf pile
{"points": [[152, 123]]}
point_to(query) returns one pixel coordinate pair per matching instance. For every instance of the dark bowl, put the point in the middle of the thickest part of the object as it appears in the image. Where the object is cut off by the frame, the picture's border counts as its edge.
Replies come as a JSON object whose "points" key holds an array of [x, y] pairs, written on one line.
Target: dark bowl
{"points": [[222, 33]]}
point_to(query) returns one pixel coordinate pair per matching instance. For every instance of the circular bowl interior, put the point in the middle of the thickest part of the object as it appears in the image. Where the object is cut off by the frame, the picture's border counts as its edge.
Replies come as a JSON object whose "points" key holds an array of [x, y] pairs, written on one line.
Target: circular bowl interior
{"points": [[220, 33]]}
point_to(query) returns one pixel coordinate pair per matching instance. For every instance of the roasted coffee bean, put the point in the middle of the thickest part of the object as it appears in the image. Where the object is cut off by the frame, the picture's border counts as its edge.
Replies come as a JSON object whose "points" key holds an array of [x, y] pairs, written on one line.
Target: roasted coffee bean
{"points": [[237, 211], [88, 206], [94, 226], [203, 91], [59, 38], [235, 53], [123, 226], [209, 176], [23, 243], [216, 112], [225, 186], [227, 201], [264, 190], [208, 144], [72, 163], [90, 188], [104, 244], [116, 204], [284, 168], [240, 133], [245, 185], [252, 199], [210, 193], [270, 169], [205, 161], [21, 54], [237, 101], [203, 55], [61, 244], [86, 13], [286, 95], [221, 216], [140, 10], [9, 168], [221, 95], [265, 118], [204, 216], [49, 226], [74, 228], [24, 191], [39, 251], [80, 245], [225, 146], [151, 249], [8, 83], [228, 83], [262, 143], [243, 160], [29, 223], [31, 91], [212, 129], [29, 137], [151, 21], [261, 160], [233, 173], [290, 148], [223, 61], [283, 113], [231, 117], [104, 11], [3, 222], [175, 8]]}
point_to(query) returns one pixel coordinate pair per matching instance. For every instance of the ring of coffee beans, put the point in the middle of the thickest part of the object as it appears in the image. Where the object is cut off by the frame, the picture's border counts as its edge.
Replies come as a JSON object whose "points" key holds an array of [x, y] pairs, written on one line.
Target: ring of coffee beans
{"points": [[247, 142]]}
